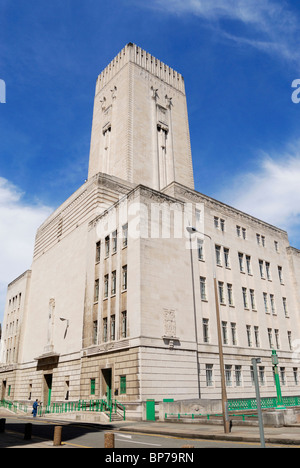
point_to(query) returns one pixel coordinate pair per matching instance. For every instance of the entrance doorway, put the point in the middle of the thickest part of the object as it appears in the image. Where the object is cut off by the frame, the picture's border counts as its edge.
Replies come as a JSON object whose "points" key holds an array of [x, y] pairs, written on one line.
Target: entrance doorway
{"points": [[47, 389], [3, 392], [106, 384]]}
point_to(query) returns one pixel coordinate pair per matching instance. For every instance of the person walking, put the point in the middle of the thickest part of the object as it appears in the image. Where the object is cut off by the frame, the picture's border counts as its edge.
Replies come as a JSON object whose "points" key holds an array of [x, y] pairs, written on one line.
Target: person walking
{"points": [[35, 408]]}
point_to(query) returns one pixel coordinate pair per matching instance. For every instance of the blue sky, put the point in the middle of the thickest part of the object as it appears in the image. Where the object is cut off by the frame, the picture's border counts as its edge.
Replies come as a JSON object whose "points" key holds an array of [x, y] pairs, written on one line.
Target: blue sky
{"points": [[238, 57]]}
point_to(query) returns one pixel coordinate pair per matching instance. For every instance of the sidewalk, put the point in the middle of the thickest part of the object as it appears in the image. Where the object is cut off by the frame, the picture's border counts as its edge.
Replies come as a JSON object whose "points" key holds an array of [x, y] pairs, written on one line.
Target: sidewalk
{"points": [[283, 435]]}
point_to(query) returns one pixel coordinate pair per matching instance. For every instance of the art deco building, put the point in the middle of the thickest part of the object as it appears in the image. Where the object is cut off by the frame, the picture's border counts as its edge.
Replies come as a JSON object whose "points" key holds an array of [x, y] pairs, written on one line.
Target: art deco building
{"points": [[118, 302]]}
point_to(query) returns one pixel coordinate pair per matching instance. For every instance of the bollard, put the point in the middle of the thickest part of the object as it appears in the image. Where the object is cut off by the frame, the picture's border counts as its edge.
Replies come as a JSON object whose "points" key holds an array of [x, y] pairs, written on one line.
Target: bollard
{"points": [[109, 440], [28, 431], [57, 435], [2, 425]]}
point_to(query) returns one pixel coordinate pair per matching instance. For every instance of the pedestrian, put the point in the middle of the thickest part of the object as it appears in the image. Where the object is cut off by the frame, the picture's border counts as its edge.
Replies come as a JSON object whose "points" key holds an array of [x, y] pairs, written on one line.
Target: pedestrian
{"points": [[35, 407]]}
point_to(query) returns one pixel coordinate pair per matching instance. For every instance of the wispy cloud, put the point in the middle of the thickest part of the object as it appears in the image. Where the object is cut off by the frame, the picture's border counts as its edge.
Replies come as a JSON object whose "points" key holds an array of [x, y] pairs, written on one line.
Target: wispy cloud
{"points": [[272, 192], [269, 25], [18, 225]]}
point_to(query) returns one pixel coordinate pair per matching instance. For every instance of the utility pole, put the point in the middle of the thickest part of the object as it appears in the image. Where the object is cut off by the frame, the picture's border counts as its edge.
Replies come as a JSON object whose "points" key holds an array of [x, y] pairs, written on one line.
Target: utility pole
{"points": [[259, 411]]}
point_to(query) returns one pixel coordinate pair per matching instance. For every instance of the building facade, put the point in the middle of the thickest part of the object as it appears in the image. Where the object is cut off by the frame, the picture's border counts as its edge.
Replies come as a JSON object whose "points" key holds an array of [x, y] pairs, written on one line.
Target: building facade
{"points": [[119, 300]]}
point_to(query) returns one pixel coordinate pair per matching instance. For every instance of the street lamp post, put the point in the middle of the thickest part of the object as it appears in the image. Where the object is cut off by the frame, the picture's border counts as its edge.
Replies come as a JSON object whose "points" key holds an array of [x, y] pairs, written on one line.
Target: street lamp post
{"points": [[255, 361], [192, 230]]}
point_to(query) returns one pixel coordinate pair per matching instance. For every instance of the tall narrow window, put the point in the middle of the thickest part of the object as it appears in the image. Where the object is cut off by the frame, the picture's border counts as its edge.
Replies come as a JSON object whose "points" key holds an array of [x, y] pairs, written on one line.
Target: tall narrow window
{"points": [[105, 294], [229, 294], [98, 251], [245, 299], [203, 288], [209, 374], [96, 292], [114, 241], [221, 292], [205, 331], [95, 332], [124, 278], [105, 329], [124, 324], [113, 282], [224, 332], [125, 235], [122, 384], [113, 327], [106, 246]]}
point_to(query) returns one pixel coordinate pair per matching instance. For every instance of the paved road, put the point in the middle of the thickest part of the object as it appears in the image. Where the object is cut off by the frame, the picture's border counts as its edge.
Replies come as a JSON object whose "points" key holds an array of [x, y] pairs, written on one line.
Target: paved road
{"points": [[79, 435]]}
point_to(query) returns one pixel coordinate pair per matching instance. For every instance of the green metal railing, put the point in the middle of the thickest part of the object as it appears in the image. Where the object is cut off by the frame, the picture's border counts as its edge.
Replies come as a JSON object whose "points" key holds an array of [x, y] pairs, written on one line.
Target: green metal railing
{"points": [[98, 406]]}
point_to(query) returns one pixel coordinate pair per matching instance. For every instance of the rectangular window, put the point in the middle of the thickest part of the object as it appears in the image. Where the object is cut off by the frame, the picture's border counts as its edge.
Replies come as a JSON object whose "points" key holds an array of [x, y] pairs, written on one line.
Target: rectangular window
{"points": [[248, 264], [261, 374], [96, 291], [105, 293], [113, 282], [203, 288], [241, 262], [221, 292], [230, 294], [272, 301], [98, 251], [218, 255], [95, 331], [268, 270], [105, 329], [286, 314], [280, 274], [277, 341], [252, 299], [209, 375], [106, 246], [200, 249], [122, 384], [205, 330], [256, 336], [238, 376], [113, 327], [233, 333], [125, 235], [249, 337], [224, 333], [261, 269], [226, 258], [245, 299], [124, 324], [266, 302], [228, 375], [114, 241], [124, 278], [270, 337]]}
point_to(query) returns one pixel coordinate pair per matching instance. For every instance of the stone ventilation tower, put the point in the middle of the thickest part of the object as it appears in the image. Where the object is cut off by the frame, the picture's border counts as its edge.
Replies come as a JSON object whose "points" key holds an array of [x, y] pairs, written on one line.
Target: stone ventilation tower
{"points": [[140, 127]]}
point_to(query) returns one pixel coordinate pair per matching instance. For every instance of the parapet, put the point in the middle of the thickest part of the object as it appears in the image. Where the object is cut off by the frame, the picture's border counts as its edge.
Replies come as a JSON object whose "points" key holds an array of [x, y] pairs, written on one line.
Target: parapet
{"points": [[133, 53]]}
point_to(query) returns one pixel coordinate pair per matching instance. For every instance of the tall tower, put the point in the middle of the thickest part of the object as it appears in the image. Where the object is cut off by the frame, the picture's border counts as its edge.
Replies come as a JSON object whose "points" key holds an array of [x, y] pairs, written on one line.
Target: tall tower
{"points": [[140, 130]]}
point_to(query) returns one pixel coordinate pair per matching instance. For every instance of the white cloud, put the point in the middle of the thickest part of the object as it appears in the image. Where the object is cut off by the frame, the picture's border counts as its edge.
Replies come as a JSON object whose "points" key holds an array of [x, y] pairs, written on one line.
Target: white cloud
{"points": [[18, 224], [272, 26], [272, 192]]}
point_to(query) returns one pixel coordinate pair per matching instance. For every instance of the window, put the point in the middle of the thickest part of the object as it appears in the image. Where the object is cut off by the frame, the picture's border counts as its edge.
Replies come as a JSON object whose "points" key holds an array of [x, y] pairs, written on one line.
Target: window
{"points": [[228, 375], [96, 291], [282, 375], [270, 337], [93, 387], [248, 264], [266, 302], [261, 374], [280, 274], [244, 233], [218, 255], [258, 239], [124, 324], [209, 375], [200, 249], [238, 376], [233, 333], [268, 271], [276, 246], [249, 337], [241, 262], [205, 331], [95, 331], [224, 333], [276, 331], [105, 286], [124, 278], [230, 294], [286, 314], [98, 251], [113, 282], [221, 292], [295, 374], [289, 335], [261, 269], [122, 384], [113, 327], [114, 241], [256, 336], [238, 231], [222, 225], [272, 301], [203, 288], [252, 299], [216, 222], [107, 246], [226, 257], [125, 235], [245, 299], [219, 223], [105, 329]]}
